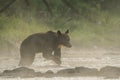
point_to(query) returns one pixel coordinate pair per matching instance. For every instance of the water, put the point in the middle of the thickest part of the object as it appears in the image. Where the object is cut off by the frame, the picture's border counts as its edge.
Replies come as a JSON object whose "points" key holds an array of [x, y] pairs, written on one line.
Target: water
{"points": [[57, 78], [70, 59]]}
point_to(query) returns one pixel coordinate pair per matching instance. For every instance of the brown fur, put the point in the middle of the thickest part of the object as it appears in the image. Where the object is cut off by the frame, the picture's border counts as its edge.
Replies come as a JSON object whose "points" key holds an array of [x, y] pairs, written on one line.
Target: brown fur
{"points": [[45, 43]]}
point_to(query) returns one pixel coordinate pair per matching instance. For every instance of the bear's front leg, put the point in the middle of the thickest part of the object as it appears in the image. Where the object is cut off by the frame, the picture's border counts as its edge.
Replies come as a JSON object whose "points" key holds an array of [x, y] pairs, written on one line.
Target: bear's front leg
{"points": [[57, 56]]}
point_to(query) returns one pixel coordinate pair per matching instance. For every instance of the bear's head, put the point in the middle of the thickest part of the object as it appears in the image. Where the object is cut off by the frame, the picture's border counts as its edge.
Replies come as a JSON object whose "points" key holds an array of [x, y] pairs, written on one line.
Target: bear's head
{"points": [[64, 39]]}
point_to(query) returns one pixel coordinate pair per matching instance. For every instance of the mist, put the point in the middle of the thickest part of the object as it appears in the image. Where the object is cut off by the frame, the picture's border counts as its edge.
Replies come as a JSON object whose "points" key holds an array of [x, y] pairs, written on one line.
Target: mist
{"points": [[94, 32]]}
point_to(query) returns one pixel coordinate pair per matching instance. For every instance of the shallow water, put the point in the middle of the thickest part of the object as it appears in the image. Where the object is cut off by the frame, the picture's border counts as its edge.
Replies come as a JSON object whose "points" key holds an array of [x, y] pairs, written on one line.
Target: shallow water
{"points": [[70, 59], [58, 78]]}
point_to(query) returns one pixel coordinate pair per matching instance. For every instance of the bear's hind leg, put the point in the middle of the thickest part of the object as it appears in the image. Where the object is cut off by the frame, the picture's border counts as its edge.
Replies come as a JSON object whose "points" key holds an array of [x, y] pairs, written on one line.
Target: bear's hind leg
{"points": [[27, 60]]}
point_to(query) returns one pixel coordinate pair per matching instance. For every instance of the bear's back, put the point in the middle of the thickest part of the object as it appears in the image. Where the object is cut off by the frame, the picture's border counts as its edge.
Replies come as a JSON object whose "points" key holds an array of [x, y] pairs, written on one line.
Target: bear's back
{"points": [[42, 39]]}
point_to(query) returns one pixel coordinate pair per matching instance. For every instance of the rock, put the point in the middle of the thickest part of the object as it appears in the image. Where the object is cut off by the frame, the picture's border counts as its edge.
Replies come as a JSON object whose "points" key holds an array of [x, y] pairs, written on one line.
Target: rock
{"points": [[110, 72], [84, 71], [66, 71], [38, 74], [49, 73], [19, 72], [106, 72]]}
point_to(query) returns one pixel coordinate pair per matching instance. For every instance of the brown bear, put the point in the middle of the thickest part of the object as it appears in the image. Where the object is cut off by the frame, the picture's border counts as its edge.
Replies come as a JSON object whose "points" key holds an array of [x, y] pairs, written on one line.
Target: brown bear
{"points": [[44, 43]]}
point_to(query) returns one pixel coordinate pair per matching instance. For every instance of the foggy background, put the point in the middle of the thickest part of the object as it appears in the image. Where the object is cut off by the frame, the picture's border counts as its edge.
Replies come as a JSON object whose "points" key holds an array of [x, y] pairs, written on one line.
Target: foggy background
{"points": [[94, 31]]}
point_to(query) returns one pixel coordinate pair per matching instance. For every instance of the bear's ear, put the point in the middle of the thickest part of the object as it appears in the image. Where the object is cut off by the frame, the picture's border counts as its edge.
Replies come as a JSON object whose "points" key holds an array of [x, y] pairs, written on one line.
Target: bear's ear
{"points": [[58, 32], [67, 32]]}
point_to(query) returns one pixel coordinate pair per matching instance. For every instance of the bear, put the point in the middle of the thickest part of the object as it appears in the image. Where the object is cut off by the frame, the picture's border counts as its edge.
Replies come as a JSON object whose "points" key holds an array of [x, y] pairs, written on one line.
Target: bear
{"points": [[48, 43]]}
